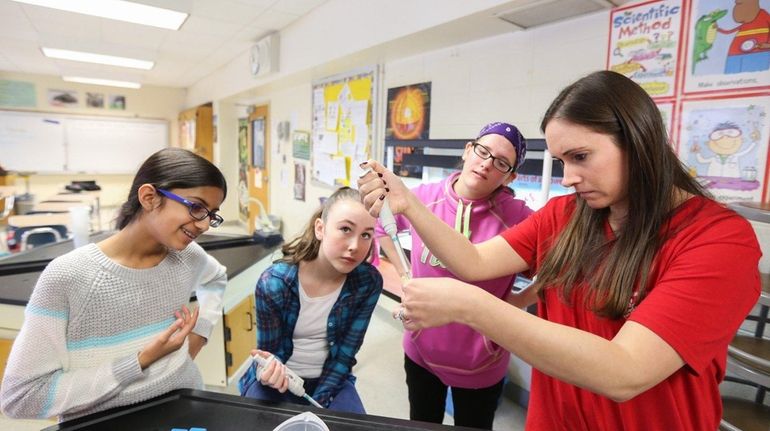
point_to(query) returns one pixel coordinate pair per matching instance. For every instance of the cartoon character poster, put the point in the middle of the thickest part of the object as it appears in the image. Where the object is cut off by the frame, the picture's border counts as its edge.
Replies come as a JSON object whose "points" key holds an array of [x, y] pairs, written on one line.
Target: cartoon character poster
{"points": [[728, 46], [724, 143], [243, 170], [644, 44]]}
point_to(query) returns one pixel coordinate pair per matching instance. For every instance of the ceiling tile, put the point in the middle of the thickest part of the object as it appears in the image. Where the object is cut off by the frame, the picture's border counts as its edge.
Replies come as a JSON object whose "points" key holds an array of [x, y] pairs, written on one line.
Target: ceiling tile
{"points": [[126, 33], [210, 27], [273, 20], [297, 7], [226, 10]]}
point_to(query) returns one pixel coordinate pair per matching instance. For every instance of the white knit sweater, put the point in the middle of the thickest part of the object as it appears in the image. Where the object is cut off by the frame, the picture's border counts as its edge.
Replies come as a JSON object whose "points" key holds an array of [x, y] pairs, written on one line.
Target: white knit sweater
{"points": [[86, 321]]}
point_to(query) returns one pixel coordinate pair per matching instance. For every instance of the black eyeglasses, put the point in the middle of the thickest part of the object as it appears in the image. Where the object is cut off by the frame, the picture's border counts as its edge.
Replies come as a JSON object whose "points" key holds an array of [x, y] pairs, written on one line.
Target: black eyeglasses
{"points": [[499, 164], [197, 211]]}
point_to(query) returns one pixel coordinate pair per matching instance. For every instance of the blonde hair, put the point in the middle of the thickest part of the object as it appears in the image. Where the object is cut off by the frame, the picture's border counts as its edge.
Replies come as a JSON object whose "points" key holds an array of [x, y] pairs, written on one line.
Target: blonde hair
{"points": [[305, 246]]}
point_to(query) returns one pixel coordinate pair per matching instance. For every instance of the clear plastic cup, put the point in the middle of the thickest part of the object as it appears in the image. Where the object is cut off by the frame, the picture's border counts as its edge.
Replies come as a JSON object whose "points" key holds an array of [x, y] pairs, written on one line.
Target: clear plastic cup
{"points": [[306, 421]]}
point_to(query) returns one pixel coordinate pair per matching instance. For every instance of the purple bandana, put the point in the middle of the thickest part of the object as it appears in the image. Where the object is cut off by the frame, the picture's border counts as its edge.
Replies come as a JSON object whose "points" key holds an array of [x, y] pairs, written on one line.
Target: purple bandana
{"points": [[512, 134]]}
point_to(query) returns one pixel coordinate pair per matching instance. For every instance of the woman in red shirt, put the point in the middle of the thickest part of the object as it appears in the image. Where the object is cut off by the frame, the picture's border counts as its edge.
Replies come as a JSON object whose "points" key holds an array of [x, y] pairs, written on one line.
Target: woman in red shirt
{"points": [[642, 279]]}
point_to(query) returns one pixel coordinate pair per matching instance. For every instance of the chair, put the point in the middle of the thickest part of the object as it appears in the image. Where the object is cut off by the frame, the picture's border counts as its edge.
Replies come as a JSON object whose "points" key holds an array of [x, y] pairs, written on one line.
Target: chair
{"points": [[748, 363], [38, 236]]}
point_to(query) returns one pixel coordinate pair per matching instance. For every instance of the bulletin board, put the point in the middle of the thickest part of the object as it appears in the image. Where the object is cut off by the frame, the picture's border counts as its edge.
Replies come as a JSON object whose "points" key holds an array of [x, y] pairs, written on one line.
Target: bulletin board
{"points": [[342, 127]]}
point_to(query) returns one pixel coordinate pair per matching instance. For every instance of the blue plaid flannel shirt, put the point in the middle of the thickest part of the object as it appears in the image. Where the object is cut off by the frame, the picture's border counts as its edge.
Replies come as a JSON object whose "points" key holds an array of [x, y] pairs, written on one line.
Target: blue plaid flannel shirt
{"points": [[277, 298]]}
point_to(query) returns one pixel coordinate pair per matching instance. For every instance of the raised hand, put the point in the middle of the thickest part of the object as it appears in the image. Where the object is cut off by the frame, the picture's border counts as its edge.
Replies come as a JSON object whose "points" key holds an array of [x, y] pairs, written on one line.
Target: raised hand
{"points": [[171, 339], [378, 183]]}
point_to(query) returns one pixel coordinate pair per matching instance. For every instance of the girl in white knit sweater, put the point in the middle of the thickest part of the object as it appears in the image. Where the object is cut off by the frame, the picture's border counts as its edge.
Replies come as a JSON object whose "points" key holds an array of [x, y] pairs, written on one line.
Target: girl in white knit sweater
{"points": [[108, 324]]}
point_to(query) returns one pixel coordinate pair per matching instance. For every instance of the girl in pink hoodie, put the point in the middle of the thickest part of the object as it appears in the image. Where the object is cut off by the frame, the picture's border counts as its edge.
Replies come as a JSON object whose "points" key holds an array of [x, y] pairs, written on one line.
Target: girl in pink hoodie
{"points": [[479, 204]]}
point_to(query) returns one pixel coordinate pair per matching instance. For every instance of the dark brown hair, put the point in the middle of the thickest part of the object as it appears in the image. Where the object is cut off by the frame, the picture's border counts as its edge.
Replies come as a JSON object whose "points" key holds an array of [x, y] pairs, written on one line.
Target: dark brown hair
{"points": [[170, 168], [611, 104]]}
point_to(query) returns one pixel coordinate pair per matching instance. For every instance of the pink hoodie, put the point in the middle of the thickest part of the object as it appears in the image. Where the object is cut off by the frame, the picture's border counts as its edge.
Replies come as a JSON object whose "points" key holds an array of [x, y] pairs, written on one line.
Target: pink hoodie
{"points": [[455, 353]]}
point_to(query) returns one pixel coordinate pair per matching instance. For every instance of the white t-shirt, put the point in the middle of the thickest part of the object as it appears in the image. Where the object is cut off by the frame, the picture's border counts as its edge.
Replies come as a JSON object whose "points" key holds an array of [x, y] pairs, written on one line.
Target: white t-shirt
{"points": [[310, 344]]}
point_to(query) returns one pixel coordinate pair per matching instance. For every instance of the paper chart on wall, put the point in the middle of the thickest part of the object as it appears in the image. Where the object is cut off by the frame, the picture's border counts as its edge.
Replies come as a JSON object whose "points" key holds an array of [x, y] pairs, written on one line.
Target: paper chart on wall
{"points": [[343, 107], [727, 46], [724, 142], [644, 44]]}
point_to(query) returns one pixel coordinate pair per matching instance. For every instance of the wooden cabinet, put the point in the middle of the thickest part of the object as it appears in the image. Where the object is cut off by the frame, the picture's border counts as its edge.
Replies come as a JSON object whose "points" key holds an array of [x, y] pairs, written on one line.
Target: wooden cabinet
{"points": [[240, 334], [196, 131], [226, 355], [5, 350]]}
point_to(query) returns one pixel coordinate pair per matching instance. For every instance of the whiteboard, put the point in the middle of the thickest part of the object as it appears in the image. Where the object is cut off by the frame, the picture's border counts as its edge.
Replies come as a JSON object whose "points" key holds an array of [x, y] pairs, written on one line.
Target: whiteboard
{"points": [[58, 143]]}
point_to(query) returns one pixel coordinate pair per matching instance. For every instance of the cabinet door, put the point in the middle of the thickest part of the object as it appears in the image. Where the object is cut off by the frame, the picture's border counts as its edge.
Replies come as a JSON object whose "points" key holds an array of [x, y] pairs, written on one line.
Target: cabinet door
{"points": [[5, 350], [241, 326]]}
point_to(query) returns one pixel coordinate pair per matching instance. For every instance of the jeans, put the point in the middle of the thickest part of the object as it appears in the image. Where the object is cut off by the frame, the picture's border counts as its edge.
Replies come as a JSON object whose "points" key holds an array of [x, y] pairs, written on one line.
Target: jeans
{"points": [[346, 400]]}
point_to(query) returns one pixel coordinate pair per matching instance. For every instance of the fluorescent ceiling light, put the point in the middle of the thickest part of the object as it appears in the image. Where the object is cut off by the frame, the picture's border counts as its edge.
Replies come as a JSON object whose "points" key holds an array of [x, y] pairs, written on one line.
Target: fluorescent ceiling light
{"points": [[90, 57], [108, 82], [118, 10]]}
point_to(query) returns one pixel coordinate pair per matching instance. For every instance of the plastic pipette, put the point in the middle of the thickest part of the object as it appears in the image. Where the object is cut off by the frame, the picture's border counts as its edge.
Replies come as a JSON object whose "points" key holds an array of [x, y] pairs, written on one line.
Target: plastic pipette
{"points": [[389, 224], [296, 384]]}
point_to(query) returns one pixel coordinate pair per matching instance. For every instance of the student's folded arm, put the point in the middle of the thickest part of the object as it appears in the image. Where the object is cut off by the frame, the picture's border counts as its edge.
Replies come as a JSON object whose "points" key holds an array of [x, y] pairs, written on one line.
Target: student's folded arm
{"points": [[35, 384]]}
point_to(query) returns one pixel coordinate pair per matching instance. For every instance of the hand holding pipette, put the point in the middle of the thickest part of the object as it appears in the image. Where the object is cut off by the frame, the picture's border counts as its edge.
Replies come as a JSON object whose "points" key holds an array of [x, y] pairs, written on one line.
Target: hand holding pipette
{"points": [[388, 222], [295, 382]]}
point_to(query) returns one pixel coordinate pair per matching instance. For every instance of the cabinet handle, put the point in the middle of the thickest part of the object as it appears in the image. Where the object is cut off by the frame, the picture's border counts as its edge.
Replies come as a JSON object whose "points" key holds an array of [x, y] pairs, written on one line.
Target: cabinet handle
{"points": [[251, 322]]}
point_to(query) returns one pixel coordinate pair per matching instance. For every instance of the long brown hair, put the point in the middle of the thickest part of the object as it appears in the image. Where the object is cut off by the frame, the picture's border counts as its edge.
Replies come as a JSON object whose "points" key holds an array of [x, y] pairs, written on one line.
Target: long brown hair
{"points": [[611, 104], [305, 246]]}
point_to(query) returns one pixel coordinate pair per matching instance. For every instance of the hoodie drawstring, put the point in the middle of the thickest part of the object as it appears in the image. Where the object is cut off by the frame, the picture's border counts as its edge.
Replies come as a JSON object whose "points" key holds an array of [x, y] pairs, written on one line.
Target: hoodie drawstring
{"points": [[463, 218]]}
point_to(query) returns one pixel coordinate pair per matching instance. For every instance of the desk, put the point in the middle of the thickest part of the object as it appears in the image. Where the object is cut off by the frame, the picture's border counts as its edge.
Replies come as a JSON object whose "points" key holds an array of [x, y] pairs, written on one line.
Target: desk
{"points": [[186, 408], [55, 206], [39, 220], [90, 198]]}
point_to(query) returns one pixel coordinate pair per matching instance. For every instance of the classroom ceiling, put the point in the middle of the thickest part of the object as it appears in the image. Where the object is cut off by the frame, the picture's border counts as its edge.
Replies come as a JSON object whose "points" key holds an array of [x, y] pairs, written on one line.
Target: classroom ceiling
{"points": [[216, 32]]}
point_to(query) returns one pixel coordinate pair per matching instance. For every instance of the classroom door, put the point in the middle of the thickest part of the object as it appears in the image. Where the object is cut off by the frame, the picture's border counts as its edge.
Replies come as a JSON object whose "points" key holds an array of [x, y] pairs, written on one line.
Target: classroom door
{"points": [[259, 163]]}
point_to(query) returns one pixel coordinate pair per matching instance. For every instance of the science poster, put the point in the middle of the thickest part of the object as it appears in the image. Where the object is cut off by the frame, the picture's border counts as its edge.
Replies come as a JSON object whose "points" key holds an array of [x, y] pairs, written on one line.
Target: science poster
{"points": [[724, 141], [728, 46], [644, 44]]}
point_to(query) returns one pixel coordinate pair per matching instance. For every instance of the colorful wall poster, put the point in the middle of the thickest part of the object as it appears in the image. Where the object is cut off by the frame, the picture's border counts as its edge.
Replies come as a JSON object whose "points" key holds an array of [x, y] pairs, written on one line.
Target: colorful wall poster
{"points": [[644, 44], [728, 46], [300, 144], [300, 180], [243, 169], [408, 112], [117, 101], [342, 128], [724, 142], [94, 100], [401, 165], [18, 94], [63, 98]]}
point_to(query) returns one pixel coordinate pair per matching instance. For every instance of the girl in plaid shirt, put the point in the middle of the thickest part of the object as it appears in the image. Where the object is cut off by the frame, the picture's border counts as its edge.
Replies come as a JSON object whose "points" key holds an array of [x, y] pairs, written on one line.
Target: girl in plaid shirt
{"points": [[314, 305]]}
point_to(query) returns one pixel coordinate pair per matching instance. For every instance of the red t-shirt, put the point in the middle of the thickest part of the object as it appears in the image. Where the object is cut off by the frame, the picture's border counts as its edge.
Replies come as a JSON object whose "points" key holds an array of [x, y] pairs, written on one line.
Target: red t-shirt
{"points": [[705, 281]]}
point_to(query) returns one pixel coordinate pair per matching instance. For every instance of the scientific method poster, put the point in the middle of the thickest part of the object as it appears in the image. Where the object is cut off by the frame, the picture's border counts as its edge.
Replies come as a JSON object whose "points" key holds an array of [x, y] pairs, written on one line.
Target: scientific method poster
{"points": [[644, 44]]}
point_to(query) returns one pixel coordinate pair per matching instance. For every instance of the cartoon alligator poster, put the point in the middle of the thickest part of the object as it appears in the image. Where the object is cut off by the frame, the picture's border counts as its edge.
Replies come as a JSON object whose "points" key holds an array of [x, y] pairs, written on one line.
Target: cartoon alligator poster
{"points": [[705, 34]]}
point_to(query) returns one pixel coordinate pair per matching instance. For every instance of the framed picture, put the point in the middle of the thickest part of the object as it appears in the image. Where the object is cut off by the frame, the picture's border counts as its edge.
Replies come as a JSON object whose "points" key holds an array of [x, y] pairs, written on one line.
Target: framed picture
{"points": [[727, 46], [723, 141], [63, 98], [644, 44], [258, 143], [408, 112]]}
